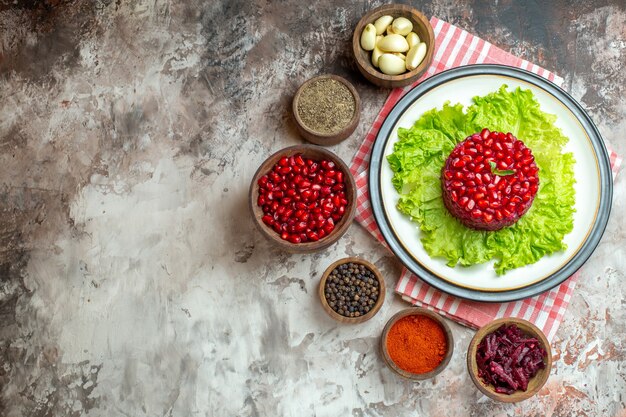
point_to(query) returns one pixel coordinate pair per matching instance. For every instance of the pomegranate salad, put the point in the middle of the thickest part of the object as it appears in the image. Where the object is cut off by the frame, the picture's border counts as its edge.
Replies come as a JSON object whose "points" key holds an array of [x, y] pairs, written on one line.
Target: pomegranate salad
{"points": [[487, 182]]}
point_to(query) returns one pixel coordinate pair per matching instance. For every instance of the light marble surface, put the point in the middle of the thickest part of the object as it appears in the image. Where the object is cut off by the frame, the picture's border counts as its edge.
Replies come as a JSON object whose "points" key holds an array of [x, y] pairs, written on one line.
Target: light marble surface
{"points": [[132, 280]]}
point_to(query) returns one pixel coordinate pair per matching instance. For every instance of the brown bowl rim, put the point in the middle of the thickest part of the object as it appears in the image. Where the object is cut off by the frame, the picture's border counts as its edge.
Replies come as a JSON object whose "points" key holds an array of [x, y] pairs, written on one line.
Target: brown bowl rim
{"points": [[417, 311], [327, 138], [406, 78], [381, 291], [472, 366], [340, 228]]}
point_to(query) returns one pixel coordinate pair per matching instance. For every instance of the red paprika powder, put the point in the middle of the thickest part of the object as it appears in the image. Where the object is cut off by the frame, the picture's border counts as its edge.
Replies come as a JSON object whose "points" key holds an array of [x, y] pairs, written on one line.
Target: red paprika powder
{"points": [[417, 344]]}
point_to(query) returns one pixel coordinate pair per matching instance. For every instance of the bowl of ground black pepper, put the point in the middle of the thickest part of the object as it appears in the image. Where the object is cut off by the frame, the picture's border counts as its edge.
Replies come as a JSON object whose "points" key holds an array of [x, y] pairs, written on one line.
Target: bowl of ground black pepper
{"points": [[417, 343], [352, 290], [327, 109]]}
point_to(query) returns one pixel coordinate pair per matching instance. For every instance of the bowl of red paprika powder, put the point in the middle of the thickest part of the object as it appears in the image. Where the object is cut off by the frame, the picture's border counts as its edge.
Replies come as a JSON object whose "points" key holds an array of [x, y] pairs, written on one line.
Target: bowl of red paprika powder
{"points": [[417, 343]]}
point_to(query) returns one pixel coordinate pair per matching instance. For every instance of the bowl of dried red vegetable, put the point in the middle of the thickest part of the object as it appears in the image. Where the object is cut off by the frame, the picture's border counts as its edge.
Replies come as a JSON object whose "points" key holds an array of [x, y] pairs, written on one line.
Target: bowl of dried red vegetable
{"points": [[303, 198], [509, 360]]}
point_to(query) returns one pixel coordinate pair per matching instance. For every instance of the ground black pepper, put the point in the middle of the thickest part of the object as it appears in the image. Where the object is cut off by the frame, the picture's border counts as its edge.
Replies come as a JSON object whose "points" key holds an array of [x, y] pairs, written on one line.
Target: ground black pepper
{"points": [[326, 106], [351, 289]]}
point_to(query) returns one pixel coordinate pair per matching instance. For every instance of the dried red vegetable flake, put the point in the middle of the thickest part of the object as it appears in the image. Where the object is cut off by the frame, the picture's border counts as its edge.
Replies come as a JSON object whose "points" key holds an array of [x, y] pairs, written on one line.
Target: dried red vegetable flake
{"points": [[508, 359]]}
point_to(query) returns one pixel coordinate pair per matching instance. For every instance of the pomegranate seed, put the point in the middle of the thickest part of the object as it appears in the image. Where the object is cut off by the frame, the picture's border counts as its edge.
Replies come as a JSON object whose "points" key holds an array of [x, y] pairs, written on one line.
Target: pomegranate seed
{"points": [[458, 163], [484, 133], [470, 204]]}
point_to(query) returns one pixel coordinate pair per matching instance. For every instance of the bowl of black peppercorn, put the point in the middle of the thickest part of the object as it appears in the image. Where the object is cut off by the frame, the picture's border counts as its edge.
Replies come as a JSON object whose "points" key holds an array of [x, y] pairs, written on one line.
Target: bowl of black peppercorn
{"points": [[352, 290]]}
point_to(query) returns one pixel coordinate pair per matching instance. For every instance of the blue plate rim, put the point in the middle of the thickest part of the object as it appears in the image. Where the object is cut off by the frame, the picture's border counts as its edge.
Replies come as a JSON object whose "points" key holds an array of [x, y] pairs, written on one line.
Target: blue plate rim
{"points": [[606, 183]]}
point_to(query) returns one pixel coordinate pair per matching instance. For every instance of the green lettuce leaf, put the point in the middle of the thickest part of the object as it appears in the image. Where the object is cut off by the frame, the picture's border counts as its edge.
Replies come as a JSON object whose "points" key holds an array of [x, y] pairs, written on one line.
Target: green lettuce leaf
{"points": [[420, 154]]}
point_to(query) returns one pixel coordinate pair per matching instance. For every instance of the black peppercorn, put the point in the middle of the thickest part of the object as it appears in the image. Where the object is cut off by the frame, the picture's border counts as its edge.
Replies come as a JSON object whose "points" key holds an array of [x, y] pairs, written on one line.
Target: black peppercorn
{"points": [[351, 290]]}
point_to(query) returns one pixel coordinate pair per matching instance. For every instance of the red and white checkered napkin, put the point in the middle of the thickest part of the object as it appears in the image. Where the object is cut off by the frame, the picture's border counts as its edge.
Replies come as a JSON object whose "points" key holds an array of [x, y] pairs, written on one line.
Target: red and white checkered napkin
{"points": [[456, 47]]}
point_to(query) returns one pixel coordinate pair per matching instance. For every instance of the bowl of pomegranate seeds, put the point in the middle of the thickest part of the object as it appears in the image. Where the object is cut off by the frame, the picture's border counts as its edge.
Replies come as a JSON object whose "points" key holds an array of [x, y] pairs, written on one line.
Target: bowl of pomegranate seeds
{"points": [[509, 360], [303, 198]]}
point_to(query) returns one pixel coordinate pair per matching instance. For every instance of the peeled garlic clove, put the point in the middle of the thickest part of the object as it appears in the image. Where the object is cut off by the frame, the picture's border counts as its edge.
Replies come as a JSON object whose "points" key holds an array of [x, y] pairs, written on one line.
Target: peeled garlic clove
{"points": [[368, 37], [402, 26], [412, 39], [376, 53], [415, 56], [391, 64], [390, 30], [393, 43], [382, 23], [398, 54]]}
